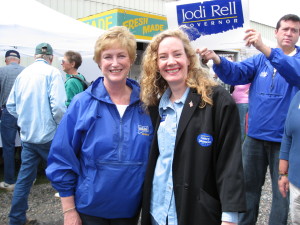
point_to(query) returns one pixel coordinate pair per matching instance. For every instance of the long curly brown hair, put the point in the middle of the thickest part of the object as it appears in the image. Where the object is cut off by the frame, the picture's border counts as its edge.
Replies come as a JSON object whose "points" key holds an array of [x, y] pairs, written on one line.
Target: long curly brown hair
{"points": [[153, 85]]}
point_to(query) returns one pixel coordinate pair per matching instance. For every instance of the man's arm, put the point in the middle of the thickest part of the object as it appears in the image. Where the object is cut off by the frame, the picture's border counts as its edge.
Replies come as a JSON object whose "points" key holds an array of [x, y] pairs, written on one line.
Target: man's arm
{"points": [[252, 37], [57, 97], [11, 102]]}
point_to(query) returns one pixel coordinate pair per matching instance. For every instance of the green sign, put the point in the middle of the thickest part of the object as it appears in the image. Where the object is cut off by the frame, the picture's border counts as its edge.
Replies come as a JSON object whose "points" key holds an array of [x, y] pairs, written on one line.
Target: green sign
{"points": [[142, 25]]}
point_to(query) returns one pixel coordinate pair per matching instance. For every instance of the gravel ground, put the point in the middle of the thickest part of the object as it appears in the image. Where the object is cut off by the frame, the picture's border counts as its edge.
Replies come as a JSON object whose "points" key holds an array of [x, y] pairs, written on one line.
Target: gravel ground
{"points": [[44, 207]]}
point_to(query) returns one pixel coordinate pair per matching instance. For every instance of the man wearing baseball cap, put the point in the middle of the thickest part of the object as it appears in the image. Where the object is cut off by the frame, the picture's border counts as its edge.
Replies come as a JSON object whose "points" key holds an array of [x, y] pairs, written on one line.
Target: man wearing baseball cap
{"points": [[8, 126], [44, 49], [37, 100]]}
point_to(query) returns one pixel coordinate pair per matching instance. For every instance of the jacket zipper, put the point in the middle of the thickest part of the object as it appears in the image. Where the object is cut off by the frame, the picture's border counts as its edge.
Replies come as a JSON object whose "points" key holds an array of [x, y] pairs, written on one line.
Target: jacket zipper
{"points": [[273, 77], [121, 139]]}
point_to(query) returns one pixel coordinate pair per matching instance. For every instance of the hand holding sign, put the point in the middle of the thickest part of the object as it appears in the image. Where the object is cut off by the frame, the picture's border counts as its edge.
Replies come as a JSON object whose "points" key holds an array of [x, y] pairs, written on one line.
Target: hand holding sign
{"points": [[206, 55], [253, 37]]}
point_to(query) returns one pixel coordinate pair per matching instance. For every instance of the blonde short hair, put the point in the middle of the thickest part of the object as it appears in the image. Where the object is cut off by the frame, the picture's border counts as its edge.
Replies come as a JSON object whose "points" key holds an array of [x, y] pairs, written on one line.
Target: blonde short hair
{"points": [[118, 35]]}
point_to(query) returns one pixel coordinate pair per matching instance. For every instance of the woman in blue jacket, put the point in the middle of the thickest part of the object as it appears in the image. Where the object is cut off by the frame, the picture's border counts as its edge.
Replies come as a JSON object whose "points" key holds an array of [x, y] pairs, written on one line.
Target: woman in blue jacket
{"points": [[98, 157]]}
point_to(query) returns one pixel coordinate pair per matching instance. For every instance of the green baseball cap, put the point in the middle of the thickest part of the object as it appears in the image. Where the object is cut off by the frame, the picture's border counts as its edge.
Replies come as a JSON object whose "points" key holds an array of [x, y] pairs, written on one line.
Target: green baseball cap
{"points": [[44, 48]]}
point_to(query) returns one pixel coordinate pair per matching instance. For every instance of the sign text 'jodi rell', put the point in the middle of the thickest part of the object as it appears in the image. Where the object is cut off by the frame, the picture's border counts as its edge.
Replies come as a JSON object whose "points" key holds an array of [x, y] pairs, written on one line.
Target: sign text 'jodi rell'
{"points": [[211, 17]]}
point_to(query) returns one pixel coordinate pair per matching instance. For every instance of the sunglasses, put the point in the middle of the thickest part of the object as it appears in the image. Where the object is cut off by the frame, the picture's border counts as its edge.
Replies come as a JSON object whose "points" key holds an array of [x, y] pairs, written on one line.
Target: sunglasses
{"points": [[63, 61]]}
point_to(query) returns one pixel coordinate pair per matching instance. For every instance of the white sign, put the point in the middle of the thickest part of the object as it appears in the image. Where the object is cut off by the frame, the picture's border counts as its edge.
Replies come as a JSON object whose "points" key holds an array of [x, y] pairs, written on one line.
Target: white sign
{"points": [[216, 24]]}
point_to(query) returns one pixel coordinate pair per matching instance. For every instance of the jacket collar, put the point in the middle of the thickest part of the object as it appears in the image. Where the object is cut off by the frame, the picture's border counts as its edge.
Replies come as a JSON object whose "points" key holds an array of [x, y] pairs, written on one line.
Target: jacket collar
{"points": [[97, 90], [191, 103], [165, 102]]}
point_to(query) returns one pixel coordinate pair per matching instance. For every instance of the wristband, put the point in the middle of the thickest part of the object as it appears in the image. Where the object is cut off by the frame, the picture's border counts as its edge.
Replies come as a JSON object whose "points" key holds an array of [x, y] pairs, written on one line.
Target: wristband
{"points": [[282, 175], [67, 210]]}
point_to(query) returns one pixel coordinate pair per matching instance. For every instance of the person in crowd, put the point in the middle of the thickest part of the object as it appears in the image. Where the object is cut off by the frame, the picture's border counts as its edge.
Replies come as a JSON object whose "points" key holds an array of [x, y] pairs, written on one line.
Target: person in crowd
{"points": [[194, 173], [74, 83], [70, 64], [9, 127], [98, 167], [240, 95], [289, 163], [275, 78], [37, 100]]}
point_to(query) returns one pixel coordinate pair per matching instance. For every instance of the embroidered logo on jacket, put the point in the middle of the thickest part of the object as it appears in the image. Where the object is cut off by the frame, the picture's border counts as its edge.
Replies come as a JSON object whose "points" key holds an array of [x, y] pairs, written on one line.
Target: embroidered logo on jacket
{"points": [[143, 130], [263, 74], [205, 140]]}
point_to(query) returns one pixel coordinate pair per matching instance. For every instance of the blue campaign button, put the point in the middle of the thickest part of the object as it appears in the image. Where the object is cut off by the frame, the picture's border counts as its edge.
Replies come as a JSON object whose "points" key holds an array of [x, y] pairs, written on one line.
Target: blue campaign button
{"points": [[205, 140]]}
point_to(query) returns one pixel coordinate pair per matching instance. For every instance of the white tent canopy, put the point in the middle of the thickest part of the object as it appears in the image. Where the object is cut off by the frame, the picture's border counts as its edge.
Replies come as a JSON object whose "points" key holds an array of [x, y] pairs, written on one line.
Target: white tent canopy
{"points": [[26, 23]]}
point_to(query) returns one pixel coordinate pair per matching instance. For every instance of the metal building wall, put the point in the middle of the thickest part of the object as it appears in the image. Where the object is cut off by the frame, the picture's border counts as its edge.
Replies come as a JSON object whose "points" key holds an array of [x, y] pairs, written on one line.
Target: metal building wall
{"points": [[82, 8]]}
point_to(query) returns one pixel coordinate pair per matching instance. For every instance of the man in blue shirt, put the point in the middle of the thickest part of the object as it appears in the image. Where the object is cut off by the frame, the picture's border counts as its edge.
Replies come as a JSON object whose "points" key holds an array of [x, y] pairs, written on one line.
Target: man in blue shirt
{"points": [[9, 128], [275, 78], [37, 100]]}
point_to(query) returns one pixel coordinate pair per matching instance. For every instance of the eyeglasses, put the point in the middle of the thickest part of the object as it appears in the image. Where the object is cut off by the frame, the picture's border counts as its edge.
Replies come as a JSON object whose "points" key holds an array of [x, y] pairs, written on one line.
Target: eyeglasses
{"points": [[63, 61]]}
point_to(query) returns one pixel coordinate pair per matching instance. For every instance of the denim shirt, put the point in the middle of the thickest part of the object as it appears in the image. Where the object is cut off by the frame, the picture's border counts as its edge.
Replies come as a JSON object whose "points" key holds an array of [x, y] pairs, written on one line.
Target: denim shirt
{"points": [[162, 199], [162, 206]]}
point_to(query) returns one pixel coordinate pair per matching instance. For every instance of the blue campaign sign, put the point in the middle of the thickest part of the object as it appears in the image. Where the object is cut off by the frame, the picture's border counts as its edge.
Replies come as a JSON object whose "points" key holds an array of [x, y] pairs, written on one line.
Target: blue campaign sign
{"points": [[209, 20], [211, 17]]}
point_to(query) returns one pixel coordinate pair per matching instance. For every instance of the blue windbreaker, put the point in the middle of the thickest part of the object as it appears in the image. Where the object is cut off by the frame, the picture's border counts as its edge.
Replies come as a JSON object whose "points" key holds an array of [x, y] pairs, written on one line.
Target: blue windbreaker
{"points": [[99, 157], [271, 91]]}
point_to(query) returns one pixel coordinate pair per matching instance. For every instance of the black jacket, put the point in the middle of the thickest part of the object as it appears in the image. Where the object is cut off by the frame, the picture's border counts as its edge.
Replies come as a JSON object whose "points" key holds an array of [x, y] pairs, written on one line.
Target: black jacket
{"points": [[207, 164]]}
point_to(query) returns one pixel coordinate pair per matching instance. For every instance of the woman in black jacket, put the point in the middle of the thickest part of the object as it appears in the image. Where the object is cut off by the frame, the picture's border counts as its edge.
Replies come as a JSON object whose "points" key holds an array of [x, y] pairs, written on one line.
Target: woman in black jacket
{"points": [[195, 174]]}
